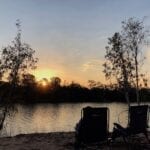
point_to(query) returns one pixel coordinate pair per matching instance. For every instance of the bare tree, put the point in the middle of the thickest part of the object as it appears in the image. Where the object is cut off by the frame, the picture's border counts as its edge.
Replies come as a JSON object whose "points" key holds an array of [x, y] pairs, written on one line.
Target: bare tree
{"points": [[134, 35]]}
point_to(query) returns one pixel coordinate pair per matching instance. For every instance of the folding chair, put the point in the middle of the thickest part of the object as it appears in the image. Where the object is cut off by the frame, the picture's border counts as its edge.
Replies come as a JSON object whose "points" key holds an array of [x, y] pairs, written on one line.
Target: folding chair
{"points": [[137, 123], [93, 125]]}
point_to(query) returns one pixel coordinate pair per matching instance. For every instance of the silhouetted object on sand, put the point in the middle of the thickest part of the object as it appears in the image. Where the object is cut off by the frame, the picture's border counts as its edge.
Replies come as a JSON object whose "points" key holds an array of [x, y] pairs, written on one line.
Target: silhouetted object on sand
{"points": [[93, 126], [137, 123]]}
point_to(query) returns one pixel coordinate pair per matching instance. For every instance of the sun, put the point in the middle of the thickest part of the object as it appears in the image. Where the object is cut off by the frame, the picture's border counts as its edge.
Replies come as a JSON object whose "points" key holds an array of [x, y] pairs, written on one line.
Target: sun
{"points": [[44, 83]]}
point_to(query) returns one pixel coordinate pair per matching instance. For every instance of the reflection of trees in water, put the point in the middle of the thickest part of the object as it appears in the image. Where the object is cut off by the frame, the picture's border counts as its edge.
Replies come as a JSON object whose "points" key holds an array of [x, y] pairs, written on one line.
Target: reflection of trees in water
{"points": [[7, 122], [27, 111], [20, 120]]}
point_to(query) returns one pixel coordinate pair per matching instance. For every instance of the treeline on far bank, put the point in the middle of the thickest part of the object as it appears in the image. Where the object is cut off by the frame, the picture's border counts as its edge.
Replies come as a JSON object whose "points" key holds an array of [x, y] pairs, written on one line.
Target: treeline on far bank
{"points": [[54, 92]]}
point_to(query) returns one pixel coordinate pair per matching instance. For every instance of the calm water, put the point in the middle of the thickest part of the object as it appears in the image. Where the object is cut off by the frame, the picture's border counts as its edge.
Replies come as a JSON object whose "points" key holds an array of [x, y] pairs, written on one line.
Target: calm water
{"points": [[56, 117]]}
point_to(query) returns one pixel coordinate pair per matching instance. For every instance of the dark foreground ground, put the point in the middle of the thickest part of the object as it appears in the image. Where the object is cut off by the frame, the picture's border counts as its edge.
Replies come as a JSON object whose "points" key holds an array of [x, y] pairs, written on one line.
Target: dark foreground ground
{"points": [[65, 141]]}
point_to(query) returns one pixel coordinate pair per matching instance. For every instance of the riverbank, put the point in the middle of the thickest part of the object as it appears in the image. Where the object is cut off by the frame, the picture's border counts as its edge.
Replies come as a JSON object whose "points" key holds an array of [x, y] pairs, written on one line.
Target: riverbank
{"points": [[62, 141]]}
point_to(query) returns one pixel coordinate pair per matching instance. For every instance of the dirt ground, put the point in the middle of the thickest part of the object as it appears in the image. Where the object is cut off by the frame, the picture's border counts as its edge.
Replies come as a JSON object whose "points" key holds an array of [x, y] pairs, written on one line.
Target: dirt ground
{"points": [[65, 141]]}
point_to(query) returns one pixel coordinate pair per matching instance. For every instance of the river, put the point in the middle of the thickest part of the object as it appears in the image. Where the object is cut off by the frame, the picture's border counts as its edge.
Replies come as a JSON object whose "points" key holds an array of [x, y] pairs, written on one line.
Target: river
{"points": [[43, 118]]}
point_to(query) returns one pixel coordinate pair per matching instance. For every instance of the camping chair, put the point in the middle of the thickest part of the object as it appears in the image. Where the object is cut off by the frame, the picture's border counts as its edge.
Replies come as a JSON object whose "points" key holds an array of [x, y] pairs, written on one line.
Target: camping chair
{"points": [[137, 123], [93, 125]]}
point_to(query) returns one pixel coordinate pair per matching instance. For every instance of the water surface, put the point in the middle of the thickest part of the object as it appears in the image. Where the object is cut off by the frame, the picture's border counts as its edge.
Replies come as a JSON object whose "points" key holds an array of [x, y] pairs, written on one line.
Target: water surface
{"points": [[45, 118]]}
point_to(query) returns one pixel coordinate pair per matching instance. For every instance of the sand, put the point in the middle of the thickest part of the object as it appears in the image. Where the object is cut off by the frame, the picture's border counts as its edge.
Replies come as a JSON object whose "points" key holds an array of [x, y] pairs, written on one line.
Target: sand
{"points": [[64, 141]]}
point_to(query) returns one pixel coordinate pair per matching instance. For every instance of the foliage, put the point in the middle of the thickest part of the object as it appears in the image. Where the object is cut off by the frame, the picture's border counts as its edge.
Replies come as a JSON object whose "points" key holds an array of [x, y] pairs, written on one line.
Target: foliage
{"points": [[118, 63], [122, 55], [28, 80], [17, 58], [73, 92], [92, 84], [15, 61], [134, 36], [55, 82]]}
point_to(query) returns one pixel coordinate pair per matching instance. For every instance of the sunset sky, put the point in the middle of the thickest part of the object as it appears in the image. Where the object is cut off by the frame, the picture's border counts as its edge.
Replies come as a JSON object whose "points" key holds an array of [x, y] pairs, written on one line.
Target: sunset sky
{"points": [[70, 36]]}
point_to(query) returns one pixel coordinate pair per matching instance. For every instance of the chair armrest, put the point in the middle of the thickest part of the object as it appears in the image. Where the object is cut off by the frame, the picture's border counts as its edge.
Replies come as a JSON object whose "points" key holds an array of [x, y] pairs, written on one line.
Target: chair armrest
{"points": [[118, 126]]}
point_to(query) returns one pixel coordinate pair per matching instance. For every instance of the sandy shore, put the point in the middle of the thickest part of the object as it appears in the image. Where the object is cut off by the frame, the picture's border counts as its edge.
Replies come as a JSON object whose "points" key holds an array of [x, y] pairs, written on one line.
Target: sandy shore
{"points": [[62, 141]]}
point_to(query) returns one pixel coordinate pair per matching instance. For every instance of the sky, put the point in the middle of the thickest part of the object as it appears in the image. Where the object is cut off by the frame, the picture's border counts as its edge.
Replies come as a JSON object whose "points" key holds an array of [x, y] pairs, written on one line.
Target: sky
{"points": [[69, 36]]}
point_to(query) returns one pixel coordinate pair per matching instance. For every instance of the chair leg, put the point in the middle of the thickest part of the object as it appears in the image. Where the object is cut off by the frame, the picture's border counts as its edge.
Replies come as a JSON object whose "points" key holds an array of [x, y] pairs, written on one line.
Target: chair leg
{"points": [[127, 143], [146, 135], [115, 134], [125, 140]]}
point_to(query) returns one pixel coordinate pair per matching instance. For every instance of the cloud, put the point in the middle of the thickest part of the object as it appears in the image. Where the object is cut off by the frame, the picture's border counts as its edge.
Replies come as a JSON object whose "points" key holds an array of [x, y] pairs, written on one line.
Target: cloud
{"points": [[93, 64]]}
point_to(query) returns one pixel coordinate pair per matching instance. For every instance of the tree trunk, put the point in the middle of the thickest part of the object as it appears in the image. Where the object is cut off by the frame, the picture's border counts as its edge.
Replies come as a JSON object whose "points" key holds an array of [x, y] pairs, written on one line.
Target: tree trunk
{"points": [[125, 80], [7, 104], [137, 77], [127, 98], [3, 118]]}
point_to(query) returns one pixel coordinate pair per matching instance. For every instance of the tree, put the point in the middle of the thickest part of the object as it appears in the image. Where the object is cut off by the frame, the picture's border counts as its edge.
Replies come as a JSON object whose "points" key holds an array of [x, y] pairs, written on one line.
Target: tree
{"points": [[118, 63], [55, 82], [123, 54], [95, 84], [16, 59], [134, 35], [28, 86], [28, 80]]}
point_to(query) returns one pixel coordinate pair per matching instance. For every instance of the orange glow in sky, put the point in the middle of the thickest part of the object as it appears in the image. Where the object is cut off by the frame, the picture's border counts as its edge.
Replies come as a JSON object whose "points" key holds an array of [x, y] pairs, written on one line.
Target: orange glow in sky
{"points": [[43, 73], [69, 36], [44, 84]]}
